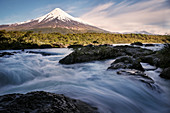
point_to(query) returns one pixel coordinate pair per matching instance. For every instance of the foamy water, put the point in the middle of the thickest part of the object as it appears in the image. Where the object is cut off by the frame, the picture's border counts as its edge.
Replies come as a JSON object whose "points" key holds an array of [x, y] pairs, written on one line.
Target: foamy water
{"points": [[89, 82]]}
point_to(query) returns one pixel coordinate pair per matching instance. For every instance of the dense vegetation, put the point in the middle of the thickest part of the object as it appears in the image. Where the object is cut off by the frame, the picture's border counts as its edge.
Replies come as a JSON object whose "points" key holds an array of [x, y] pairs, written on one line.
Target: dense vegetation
{"points": [[29, 39]]}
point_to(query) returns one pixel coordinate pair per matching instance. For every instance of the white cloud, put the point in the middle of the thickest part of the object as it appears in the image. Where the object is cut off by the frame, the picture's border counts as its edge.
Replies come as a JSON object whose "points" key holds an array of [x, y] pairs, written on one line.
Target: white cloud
{"points": [[152, 16]]}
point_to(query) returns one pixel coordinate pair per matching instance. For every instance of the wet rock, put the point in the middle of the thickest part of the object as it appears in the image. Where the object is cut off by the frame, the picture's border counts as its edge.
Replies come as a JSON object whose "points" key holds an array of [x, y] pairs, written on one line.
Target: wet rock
{"points": [[165, 73], [126, 62], [134, 51], [149, 45], [75, 46], [42, 102], [151, 59], [5, 53], [90, 45], [137, 43], [22, 50], [139, 74], [87, 54], [43, 53], [45, 46], [142, 77], [157, 60]]}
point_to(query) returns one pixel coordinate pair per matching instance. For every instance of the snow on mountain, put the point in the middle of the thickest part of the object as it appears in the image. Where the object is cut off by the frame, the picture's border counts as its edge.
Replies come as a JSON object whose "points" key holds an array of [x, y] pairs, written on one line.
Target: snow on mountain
{"points": [[139, 32], [55, 19], [56, 13]]}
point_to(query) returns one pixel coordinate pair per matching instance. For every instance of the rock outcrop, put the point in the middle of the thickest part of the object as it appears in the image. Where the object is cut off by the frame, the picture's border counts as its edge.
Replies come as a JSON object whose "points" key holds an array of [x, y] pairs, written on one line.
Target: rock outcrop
{"points": [[126, 62], [87, 54], [142, 77], [42, 102], [5, 53], [137, 43], [165, 73]]}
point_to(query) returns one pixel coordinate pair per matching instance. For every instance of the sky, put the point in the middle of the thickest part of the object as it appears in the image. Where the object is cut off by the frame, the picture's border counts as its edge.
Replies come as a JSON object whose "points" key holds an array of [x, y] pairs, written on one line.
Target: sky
{"points": [[113, 15]]}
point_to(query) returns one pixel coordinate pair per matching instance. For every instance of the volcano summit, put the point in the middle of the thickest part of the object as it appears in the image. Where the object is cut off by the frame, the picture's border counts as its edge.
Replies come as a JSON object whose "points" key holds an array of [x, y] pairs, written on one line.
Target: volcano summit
{"points": [[55, 20]]}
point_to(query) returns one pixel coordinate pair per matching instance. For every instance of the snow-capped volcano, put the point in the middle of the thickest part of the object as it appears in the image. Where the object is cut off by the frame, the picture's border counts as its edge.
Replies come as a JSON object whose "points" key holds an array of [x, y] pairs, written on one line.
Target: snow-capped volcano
{"points": [[59, 14], [57, 18]]}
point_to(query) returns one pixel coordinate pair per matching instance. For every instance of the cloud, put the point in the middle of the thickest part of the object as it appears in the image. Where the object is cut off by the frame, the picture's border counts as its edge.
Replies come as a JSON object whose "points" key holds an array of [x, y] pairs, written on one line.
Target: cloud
{"points": [[152, 16]]}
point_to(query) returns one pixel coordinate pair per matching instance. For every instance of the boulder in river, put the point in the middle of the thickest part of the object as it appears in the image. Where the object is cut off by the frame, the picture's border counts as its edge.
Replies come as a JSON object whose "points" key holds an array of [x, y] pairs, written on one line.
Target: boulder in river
{"points": [[45, 46], [142, 77], [134, 51], [42, 102], [75, 46], [165, 73], [87, 54], [137, 43], [126, 62], [149, 45], [43, 53], [5, 53]]}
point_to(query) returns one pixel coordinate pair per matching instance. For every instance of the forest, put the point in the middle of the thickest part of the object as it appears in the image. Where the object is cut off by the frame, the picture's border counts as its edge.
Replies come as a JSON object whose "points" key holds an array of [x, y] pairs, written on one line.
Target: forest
{"points": [[30, 39]]}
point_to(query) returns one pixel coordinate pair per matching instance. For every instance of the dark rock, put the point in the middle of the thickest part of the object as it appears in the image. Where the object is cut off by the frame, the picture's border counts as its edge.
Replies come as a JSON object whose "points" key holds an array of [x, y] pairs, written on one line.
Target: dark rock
{"points": [[165, 73], [75, 46], [137, 43], [90, 45], [5, 53], [142, 77], [151, 59], [157, 60], [149, 45], [126, 62], [43, 53], [95, 42], [22, 50], [90, 54], [33, 46], [42, 102], [134, 51], [135, 72], [87, 54], [45, 46]]}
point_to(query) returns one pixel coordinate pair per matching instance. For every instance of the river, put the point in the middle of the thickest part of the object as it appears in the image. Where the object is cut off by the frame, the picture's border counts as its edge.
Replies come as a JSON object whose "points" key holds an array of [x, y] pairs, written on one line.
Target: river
{"points": [[89, 82]]}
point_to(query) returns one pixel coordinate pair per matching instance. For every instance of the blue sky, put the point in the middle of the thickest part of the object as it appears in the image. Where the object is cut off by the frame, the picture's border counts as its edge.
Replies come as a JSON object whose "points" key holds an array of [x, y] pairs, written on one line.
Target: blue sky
{"points": [[113, 15]]}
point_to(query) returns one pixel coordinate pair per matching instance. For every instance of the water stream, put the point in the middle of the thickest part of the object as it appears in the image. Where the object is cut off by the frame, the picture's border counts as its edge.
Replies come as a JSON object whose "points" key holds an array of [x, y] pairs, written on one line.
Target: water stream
{"points": [[89, 82]]}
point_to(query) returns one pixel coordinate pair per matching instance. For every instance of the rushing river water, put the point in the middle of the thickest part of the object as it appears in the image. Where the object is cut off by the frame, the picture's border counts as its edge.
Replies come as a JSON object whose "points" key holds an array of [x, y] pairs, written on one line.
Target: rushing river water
{"points": [[89, 82]]}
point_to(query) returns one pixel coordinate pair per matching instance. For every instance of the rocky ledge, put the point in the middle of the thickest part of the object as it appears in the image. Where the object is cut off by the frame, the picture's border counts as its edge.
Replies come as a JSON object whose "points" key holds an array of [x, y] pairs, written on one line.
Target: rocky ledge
{"points": [[141, 77], [130, 57], [126, 62], [87, 54], [42, 102]]}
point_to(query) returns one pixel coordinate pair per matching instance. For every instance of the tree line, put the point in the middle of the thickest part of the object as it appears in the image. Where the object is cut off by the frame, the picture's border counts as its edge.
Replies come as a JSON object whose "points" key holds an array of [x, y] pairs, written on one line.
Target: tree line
{"points": [[29, 39]]}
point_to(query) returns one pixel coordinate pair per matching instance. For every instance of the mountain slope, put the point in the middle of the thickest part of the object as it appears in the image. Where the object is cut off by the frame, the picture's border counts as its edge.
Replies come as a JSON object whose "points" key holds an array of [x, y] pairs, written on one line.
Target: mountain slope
{"points": [[53, 20]]}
